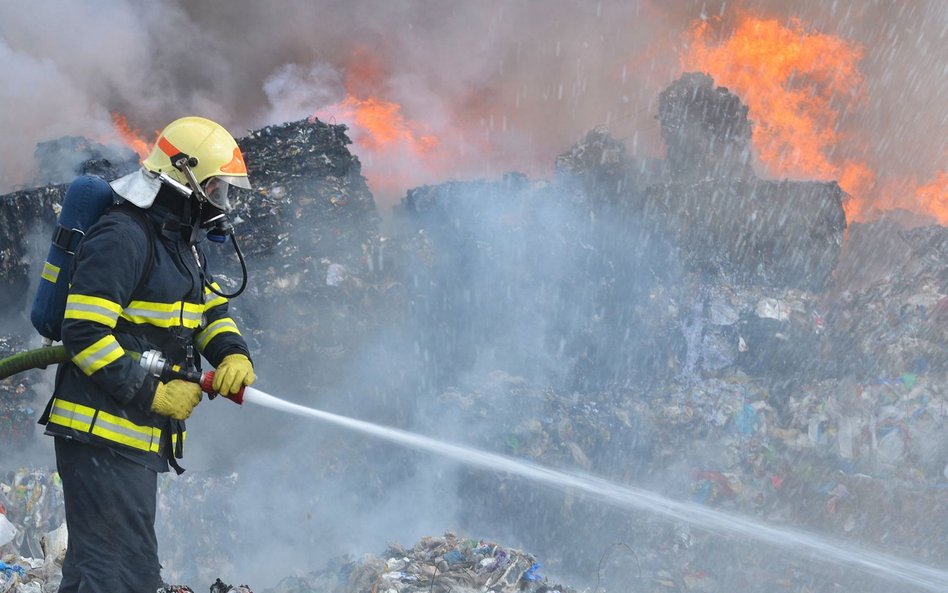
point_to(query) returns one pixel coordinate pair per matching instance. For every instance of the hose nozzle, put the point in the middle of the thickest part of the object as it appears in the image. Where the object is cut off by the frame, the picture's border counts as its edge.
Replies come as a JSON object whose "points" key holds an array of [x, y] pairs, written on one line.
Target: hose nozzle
{"points": [[155, 364]]}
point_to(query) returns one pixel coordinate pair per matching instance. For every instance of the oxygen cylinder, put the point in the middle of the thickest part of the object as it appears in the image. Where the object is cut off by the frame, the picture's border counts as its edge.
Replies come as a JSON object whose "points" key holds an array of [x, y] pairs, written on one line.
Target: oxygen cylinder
{"points": [[85, 202]]}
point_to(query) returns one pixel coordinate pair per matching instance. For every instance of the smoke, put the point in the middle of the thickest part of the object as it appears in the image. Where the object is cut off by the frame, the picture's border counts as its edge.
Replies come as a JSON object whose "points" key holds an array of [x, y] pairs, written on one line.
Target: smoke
{"points": [[502, 84]]}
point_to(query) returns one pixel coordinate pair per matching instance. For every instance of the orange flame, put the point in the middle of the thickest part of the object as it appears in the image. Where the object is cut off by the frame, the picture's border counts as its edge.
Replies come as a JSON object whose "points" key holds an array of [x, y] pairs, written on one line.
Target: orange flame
{"points": [[933, 197], [401, 152], [380, 125], [132, 138], [795, 83]]}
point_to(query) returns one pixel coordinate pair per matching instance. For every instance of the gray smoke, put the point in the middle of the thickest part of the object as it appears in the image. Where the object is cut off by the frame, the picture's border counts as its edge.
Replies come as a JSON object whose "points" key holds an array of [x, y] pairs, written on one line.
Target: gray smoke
{"points": [[503, 84]]}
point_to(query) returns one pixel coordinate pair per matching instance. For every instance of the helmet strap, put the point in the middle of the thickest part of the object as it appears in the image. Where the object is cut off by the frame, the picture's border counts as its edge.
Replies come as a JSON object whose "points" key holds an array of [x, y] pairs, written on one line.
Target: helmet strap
{"points": [[183, 163]]}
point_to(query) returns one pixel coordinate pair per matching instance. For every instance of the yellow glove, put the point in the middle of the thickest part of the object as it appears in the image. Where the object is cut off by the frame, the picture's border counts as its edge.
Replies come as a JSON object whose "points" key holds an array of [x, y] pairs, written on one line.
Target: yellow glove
{"points": [[176, 399], [234, 372]]}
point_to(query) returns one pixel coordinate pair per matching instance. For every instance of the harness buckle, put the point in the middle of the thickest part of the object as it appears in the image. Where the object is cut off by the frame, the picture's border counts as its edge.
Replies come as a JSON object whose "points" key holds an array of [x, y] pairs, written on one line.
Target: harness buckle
{"points": [[67, 239]]}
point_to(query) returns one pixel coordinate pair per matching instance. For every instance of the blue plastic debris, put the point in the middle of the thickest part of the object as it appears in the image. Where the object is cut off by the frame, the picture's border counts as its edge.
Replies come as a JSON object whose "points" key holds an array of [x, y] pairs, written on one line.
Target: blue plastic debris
{"points": [[8, 568], [531, 574]]}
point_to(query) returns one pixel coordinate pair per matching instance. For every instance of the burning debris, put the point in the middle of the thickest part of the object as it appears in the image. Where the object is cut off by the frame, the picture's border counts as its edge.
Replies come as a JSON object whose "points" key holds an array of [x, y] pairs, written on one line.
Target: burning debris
{"points": [[706, 131], [726, 220]]}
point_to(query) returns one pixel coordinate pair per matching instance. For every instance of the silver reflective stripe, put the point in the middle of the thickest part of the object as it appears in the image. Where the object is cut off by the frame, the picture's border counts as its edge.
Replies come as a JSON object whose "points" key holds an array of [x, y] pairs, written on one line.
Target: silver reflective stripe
{"points": [[73, 415], [163, 315], [145, 439], [222, 325], [89, 361], [73, 306]]}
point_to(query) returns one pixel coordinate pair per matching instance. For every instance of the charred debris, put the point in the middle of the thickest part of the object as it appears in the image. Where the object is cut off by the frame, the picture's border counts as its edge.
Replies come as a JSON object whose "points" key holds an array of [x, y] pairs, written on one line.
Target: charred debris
{"points": [[679, 321]]}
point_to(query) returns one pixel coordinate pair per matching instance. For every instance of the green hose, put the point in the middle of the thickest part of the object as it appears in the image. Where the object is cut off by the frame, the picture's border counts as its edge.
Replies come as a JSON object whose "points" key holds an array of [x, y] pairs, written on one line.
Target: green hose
{"points": [[32, 359], [39, 359]]}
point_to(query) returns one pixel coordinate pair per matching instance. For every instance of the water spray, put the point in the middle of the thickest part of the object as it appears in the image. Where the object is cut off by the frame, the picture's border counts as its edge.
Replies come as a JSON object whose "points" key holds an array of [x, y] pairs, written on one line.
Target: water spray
{"points": [[629, 497]]}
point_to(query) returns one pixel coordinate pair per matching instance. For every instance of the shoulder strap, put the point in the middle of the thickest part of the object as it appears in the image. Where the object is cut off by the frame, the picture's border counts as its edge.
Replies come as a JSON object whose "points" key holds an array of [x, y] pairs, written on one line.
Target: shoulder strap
{"points": [[142, 220]]}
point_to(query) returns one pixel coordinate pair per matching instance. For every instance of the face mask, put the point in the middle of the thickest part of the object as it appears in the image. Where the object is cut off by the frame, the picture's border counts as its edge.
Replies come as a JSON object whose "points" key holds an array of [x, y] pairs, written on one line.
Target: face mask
{"points": [[215, 189]]}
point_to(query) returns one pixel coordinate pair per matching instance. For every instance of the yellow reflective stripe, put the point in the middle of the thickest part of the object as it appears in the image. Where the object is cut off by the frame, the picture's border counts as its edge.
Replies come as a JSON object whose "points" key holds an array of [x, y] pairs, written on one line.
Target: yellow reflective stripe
{"points": [[92, 308], [164, 314], [71, 415], [50, 272], [215, 300], [94, 300], [107, 426], [121, 430], [98, 355], [221, 326]]}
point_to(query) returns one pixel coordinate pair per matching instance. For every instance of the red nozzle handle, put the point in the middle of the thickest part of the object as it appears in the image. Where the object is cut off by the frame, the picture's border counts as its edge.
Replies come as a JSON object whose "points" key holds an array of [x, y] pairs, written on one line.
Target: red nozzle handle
{"points": [[207, 386]]}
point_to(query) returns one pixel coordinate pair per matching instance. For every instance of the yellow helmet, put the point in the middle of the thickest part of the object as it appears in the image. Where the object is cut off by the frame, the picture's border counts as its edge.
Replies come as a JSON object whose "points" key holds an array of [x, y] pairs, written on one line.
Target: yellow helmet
{"points": [[214, 154]]}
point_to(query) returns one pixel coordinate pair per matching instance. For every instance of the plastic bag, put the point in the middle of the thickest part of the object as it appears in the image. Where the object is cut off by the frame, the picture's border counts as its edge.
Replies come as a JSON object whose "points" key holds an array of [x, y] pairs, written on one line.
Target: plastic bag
{"points": [[7, 531]]}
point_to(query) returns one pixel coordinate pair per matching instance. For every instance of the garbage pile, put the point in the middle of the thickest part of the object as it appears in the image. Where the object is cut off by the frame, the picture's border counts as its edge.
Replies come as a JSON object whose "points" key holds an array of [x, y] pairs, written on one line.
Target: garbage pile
{"points": [[705, 129], [438, 564], [18, 403], [32, 532], [862, 463]]}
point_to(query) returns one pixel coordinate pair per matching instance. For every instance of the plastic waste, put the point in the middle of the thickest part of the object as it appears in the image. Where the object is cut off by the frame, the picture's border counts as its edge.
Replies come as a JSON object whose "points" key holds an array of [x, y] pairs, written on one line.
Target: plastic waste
{"points": [[12, 568], [531, 574], [54, 544], [7, 530]]}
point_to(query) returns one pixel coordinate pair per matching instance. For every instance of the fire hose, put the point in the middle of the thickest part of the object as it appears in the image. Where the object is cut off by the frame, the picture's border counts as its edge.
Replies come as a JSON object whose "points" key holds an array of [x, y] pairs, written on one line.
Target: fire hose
{"points": [[152, 361]]}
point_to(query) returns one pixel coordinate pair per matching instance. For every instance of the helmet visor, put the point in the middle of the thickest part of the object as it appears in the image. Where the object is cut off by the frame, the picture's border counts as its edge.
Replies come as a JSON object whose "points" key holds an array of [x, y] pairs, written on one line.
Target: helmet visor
{"points": [[215, 189]]}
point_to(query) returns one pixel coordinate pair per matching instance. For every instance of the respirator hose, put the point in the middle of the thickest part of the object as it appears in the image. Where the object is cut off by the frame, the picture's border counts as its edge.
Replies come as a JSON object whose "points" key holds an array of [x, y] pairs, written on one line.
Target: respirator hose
{"points": [[243, 271]]}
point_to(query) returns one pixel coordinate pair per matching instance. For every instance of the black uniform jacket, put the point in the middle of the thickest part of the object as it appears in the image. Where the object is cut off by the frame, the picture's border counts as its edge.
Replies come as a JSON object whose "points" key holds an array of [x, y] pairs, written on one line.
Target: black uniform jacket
{"points": [[119, 304]]}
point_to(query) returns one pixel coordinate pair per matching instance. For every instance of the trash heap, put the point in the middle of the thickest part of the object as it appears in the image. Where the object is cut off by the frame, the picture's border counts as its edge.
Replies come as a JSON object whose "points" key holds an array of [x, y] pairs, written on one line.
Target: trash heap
{"points": [[439, 564], [32, 532], [18, 403]]}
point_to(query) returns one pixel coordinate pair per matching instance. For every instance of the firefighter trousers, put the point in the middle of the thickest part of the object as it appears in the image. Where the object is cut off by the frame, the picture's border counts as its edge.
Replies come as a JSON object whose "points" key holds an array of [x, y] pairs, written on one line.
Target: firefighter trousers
{"points": [[110, 514]]}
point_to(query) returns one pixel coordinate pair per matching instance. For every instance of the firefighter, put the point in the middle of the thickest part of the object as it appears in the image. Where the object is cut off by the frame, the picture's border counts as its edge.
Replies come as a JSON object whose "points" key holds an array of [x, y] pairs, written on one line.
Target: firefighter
{"points": [[140, 282]]}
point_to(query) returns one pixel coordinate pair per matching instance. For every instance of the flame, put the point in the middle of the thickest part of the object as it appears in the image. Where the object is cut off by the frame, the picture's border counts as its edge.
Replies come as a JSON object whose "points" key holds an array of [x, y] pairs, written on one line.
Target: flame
{"points": [[401, 152], [131, 137], [379, 125], [933, 197], [798, 84]]}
